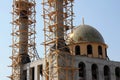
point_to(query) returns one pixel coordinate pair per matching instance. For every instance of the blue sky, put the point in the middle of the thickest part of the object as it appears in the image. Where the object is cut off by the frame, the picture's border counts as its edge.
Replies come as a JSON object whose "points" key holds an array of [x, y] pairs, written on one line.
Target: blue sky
{"points": [[104, 15]]}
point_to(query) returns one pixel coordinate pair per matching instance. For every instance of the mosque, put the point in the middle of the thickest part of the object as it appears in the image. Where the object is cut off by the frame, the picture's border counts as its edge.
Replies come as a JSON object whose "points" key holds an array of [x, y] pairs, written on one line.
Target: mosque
{"points": [[87, 56], [71, 53]]}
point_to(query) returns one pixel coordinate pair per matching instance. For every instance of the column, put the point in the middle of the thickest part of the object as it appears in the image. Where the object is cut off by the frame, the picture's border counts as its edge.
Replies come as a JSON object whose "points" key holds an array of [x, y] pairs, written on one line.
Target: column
{"points": [[28, 73], [88, 71], [100, 72], [36, 72], [112, 73]]}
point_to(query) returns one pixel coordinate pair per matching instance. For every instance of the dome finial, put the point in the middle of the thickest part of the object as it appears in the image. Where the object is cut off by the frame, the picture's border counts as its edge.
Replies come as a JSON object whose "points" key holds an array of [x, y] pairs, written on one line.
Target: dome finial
{"points": [[83, 20]]}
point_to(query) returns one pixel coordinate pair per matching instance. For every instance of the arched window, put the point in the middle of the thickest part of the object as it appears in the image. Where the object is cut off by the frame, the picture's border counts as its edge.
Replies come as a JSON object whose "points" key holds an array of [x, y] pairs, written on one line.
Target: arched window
{"points": [[117, 73], [77, 50], [106, 52], [106, 73], [99, 50], [89, 49], [81, 71], [94, 72]]}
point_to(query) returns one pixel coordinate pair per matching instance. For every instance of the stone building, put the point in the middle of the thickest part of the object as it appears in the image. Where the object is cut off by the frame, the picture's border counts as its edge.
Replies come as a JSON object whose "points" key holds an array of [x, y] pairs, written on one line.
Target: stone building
{"points": [[86, 60], [78, 53]]}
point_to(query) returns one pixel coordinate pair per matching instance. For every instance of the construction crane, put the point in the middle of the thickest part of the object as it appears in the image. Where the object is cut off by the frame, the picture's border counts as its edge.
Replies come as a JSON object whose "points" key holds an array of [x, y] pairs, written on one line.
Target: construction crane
{"points": [[23, 36]]}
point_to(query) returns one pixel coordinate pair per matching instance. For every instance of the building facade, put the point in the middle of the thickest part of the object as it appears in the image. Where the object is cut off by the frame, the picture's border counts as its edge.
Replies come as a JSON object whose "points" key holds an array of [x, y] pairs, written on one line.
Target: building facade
{"points": [[86, 60]]}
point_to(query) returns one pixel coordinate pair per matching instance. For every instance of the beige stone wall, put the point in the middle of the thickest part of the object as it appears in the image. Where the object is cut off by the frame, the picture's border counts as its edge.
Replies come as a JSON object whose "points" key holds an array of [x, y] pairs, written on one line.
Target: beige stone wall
{"points": [[83, 49]]}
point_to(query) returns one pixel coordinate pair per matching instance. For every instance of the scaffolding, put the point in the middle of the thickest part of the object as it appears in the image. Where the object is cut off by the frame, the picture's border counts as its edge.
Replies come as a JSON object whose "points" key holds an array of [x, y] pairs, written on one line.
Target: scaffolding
{"points": [[58, 22], [23, 36]]}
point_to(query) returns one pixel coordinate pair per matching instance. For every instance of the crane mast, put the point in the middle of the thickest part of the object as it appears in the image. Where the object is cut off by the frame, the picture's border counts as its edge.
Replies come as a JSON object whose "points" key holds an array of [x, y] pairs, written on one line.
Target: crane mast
{"points": [[23, 36]]}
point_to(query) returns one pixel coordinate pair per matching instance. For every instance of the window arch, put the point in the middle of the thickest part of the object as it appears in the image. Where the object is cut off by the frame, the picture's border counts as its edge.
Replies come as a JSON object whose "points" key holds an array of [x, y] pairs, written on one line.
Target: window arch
{"points": [[77, 50], [99, 50], [94, 72], [81, 70], [106, 52], [106, 73], [117, 73], [89, 49]]}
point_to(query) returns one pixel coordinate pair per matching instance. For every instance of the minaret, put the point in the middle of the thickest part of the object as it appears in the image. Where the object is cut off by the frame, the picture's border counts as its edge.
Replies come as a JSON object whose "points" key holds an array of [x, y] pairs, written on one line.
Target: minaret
{"points": [[58, 21], [59, 33], [23, 32], [23, 28]]}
